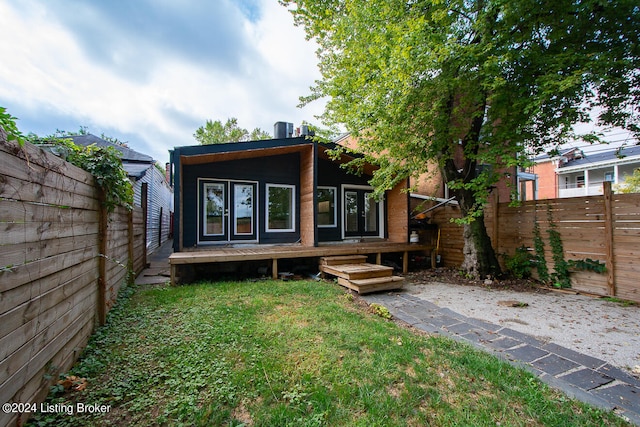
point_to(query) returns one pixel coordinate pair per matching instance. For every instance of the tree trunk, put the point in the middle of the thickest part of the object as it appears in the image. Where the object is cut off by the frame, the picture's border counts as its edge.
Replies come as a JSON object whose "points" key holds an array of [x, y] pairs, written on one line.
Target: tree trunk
{"points": [[480, 259]]}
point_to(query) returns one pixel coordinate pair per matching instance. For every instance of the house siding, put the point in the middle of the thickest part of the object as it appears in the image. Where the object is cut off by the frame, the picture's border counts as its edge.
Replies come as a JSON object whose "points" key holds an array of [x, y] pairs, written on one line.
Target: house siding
{"points": [[279, 169], [159, 206], [332, 175], [547, 187]]}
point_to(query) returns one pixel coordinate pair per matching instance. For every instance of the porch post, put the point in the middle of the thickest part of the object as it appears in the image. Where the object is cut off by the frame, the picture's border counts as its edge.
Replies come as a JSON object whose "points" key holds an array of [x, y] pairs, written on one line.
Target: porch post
{"points": [[586, 182]]}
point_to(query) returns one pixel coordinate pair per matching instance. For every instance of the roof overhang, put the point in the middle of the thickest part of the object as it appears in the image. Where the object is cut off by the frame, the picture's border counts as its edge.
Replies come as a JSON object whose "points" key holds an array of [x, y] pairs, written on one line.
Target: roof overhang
{"points": [[598, 165]]}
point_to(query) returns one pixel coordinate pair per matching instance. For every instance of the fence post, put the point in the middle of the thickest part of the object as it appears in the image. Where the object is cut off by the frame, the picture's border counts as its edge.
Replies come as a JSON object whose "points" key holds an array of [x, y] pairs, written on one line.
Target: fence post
{"points": [[608, 237], [102, 264], [131, 273]]}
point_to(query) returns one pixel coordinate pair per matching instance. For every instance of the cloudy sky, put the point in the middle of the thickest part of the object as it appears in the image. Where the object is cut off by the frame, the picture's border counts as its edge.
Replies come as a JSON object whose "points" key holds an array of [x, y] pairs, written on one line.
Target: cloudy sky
{"points": [[151, 72]]}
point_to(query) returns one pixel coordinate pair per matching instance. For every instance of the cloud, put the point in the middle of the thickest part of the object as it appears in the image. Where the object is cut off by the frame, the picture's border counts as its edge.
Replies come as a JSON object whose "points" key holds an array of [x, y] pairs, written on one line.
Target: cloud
{"points": [[132, 37], [151, 72]]}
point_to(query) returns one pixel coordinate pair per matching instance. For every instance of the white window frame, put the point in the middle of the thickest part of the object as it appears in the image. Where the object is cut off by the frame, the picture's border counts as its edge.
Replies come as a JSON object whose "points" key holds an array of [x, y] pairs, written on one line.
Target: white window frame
{"points": [[253, 187], [335, 206], [293, 209], [225, 187]]}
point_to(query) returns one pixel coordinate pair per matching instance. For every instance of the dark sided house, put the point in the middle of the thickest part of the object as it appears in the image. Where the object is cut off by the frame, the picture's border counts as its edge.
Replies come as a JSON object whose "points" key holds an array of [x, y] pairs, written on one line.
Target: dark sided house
{"points": [[283, 191]]}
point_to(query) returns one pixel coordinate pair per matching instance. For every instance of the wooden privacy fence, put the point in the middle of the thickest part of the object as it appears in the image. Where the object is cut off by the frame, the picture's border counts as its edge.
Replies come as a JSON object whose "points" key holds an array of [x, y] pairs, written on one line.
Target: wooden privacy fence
{"points": [[604, 228], [62, 262]]}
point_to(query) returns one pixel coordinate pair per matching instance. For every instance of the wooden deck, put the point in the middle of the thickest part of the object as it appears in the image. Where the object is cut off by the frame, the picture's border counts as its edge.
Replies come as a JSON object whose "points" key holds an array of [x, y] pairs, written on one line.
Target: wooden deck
{"points": [[276, 252]]}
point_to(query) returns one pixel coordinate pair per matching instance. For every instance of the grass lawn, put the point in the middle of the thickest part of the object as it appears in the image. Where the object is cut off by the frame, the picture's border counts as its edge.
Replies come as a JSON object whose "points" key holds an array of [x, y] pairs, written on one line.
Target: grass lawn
{"points": [[303, 353]]}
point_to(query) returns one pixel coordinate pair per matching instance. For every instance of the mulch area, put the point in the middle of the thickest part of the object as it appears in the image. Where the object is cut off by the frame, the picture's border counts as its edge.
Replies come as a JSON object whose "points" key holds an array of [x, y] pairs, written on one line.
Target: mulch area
{"points": [[453, 276]]}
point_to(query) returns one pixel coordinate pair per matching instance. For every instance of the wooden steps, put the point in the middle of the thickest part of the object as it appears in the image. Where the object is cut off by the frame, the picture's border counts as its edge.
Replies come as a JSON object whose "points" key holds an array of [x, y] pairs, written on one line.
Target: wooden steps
{"points": [[355, 273]]}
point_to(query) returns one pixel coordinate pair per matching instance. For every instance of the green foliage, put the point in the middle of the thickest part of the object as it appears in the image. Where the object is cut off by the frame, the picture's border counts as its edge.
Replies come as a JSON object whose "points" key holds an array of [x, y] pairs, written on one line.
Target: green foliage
{"points": [[562, 268], [520, 263], [105, 164], [631, 184], [560, 276], [588, 264], [622, 302], [540, 260], [217, 133], [455, 85], [380, 310], [8, 123]]}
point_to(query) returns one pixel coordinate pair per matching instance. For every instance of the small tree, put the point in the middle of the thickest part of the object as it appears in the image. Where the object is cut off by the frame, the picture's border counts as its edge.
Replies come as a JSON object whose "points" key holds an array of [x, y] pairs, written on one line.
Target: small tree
{"points": [[631, 184], [218, 133]]}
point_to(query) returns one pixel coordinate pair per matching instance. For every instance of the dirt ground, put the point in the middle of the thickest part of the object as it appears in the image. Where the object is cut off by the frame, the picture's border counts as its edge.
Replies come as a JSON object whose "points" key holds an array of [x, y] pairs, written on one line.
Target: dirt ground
{"points": [[594, 326]]}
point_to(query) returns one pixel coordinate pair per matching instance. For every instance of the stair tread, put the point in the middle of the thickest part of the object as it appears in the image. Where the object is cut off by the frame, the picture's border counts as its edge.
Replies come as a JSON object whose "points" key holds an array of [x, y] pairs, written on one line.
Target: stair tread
{"points": [[386, 285], [343, 259], [358, 271], [377, 280]]}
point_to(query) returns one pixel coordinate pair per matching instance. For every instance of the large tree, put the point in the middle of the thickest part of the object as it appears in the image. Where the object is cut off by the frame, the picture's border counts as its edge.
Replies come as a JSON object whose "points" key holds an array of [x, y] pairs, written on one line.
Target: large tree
{"points": [[460, 84], [218, 133]]}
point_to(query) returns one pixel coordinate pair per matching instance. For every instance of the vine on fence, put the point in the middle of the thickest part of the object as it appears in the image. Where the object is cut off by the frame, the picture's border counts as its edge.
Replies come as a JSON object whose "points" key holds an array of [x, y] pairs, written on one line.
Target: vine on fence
{"points": [[560, 278], [538, 245], [8, 123], [103, 163]]}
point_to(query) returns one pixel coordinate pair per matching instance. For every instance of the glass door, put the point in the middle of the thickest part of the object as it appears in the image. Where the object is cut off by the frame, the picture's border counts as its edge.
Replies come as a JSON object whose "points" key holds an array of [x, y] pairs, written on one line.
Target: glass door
{"points": [[229, 211], [244, 211], [215, 212], [361, 213]]}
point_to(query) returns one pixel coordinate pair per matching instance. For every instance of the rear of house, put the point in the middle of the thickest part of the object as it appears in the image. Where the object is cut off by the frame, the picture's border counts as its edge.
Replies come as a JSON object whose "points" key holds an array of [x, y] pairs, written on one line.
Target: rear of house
{"points": [[284, 191]]}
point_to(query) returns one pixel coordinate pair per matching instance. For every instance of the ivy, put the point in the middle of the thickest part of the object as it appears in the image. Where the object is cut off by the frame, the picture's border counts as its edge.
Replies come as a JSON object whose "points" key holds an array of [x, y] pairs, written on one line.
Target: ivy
{"points": [[588, 264], [538, 246], [560, 265], [8, 123], [562, 268], [105, 164]]}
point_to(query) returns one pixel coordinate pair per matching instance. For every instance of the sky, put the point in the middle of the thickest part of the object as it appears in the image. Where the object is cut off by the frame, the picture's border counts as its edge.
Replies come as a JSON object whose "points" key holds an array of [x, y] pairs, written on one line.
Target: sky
{"points": [[150, 72]]}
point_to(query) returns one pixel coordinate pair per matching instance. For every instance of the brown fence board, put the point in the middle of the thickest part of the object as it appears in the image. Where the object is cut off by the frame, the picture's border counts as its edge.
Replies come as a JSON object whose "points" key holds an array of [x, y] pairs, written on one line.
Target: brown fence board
{"points": [[49, 261], [49, 306], [22, 253], [582, 224], [12, 188], [43, 267]]}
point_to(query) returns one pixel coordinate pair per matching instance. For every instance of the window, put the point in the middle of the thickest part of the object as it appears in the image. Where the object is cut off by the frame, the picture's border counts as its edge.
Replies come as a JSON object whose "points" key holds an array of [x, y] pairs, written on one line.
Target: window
{"points": [[580, 181], [608, 176], [280, 207], [327, 207]]}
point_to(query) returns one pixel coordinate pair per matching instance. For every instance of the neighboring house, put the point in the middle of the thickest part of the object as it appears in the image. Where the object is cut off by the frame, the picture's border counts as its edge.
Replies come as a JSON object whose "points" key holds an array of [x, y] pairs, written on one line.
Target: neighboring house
{"points": [[286, 190], [142, 169], [431, 188], [573, 173]]}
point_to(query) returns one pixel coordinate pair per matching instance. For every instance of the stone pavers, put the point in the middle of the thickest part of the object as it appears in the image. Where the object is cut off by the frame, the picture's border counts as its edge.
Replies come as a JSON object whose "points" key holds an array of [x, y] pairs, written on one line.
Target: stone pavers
{"points": [[578, 375]]}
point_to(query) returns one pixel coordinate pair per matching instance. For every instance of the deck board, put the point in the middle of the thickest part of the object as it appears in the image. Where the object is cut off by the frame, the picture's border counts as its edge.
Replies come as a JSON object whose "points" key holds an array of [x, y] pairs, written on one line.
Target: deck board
{"points": [[276, 252]]}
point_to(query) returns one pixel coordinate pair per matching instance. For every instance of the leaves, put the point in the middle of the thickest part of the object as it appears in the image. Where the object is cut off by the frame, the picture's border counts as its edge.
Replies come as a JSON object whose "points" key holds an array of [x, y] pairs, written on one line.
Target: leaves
{"points": [[105, 164], [217, 133], [8, 123], [453, 85]]}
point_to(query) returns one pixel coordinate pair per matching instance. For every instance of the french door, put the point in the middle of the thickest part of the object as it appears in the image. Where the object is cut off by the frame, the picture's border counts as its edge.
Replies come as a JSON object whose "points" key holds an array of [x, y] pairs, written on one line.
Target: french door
{"points": [[361, 212], [228, 211]]}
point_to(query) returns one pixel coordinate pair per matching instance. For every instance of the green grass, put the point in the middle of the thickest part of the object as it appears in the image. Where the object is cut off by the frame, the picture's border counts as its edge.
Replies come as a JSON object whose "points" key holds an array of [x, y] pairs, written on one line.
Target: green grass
{"points": [[303, 353]]}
